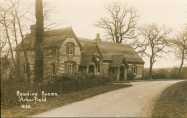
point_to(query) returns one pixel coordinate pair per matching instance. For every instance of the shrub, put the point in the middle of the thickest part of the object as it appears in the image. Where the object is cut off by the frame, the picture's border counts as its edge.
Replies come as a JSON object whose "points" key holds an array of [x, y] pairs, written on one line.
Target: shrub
{"points": [[74, 82], [131, 75], [8, 91], [166, 73], [61, 84]]}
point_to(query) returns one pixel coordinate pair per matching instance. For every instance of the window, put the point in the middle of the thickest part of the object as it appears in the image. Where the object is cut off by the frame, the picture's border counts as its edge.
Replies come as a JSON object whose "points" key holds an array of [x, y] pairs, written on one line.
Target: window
{"points": [[91, 69], [70, 48], [70, 67], [53, 68], [53, 71], [26, 68], [134, 68]]}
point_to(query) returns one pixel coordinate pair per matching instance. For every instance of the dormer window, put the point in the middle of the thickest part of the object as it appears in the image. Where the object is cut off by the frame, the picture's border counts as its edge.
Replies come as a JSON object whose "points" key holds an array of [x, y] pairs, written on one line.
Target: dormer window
{"points": [[70, 48]]}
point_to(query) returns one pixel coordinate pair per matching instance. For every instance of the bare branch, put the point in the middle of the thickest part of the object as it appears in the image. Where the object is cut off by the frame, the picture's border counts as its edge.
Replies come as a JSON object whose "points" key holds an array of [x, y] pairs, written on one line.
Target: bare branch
{"points": [[120, 23]]}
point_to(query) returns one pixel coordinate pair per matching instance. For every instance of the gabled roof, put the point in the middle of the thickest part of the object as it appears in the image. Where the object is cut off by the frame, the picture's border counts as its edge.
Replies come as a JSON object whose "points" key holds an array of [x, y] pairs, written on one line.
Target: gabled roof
{"points": [[89, 51], [89, 48], [52, 39], [114, 51], [110, 51]]}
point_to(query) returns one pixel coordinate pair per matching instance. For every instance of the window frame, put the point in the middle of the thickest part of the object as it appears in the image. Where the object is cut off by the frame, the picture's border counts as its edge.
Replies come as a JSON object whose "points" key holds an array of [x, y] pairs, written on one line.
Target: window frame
{"points": [[70, 48], [70, 67]]}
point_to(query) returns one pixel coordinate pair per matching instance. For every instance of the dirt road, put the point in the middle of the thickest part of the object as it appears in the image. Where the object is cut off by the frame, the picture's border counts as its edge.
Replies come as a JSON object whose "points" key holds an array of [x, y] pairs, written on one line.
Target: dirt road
{"points": [[135, 101]]}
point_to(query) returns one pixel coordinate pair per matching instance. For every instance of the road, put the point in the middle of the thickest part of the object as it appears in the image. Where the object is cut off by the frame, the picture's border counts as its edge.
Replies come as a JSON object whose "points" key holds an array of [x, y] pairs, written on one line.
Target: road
{"points": [[135, 101]]}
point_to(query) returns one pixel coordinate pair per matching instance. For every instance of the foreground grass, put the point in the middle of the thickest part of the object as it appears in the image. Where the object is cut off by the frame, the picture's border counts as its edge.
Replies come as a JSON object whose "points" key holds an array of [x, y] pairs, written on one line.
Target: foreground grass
{"points": [[60, 101], [172, 102]]}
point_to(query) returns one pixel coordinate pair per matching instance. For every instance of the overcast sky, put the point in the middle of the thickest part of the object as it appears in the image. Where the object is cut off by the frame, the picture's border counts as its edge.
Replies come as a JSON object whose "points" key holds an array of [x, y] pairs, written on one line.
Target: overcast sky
{"points": [[83, 14]]}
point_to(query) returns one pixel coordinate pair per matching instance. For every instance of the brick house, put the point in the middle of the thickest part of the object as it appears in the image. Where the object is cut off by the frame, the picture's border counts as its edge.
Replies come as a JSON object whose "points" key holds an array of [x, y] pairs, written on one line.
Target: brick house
{"points": [[64, 52]]}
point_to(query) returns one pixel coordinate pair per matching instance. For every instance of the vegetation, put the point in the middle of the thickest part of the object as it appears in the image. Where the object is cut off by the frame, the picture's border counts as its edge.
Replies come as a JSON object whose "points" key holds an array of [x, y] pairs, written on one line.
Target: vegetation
{"points": [[180, 45], [166, 73], [172, 102], [131, 75], [153, 44], [63, 99], [62, 84], [120, 24]]}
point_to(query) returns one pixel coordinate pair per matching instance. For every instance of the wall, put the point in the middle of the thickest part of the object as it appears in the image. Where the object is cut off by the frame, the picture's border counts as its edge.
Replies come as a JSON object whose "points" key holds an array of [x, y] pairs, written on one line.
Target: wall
{"points": [[51, 56], [63, 57], [140, 71]]}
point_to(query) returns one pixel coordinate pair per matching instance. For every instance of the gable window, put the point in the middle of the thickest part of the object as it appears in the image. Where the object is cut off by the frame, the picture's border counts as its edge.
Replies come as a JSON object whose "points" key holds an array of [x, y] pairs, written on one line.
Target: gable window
{"points": [[70, 48], [70, 67]]}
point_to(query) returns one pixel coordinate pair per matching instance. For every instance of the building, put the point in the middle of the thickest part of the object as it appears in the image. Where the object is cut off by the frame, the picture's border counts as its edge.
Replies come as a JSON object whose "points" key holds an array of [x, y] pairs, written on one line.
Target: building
{"points": [[64, 52]]}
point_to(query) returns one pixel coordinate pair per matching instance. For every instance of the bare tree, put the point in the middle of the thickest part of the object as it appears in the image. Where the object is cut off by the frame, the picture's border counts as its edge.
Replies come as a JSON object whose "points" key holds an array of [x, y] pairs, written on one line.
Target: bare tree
{"points": [[120, 24], [153, 43], [2, 45], [3, 41], [17, 18], [5, 18], [180, 45], [10, 20], [38, 42]]}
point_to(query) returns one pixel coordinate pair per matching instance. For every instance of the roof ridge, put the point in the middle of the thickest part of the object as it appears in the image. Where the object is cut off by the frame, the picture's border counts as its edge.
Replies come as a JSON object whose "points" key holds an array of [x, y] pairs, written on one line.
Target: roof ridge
{"points": [[60, 29]]}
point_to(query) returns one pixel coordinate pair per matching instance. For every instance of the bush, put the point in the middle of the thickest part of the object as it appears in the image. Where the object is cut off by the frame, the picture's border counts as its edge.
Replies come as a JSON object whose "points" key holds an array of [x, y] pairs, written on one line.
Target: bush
{"points": [[61, 84], [67, 83], [165, 73], [9, 89], [131, 75]]}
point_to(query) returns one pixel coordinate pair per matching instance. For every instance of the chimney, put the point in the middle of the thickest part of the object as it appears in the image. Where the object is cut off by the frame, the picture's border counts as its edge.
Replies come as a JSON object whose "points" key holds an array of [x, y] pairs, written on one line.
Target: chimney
{"points": [[98, 39], [33, 29]]}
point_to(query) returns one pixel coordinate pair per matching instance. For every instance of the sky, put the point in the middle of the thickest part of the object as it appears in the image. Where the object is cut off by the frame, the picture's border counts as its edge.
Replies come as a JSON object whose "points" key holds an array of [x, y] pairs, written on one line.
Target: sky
{"points": [[81, 15]]}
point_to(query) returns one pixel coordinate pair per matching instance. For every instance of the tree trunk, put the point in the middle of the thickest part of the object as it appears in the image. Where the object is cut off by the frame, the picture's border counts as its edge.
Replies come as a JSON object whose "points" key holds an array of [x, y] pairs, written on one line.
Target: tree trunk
{"points": [[38, 42], [151, 67], [22, 43], [182, 63], [16, 40], [9, 42]]}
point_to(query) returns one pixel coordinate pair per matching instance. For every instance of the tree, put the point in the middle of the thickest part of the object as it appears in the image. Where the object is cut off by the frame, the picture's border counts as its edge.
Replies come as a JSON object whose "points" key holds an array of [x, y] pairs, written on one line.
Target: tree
{"points": [[180, 45], [4, 21], [17, 18], [2, 45], [10, 20], [38, 42], [153, 43], [120, 24]]}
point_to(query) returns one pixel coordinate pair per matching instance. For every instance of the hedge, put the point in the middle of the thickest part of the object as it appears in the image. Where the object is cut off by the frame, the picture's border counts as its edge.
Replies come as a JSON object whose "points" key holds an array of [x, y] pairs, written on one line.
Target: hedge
{"points": [[61, 84]]}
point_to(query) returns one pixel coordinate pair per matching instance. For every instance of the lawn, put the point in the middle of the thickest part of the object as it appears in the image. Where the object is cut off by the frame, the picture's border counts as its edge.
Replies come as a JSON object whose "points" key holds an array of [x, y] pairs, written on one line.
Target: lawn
{"points": [[172, 102], [59, 101]]}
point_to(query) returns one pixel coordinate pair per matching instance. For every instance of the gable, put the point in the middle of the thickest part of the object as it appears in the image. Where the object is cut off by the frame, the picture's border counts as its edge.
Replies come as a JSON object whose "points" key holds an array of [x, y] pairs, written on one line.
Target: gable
{"points": [[52, 39], [75, 43], [111, 51]]}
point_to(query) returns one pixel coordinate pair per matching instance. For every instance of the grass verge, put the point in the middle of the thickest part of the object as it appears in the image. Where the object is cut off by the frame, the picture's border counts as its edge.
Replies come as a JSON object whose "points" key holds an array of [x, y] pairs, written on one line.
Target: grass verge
{"points": [[172, 102], [59, 101]]}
